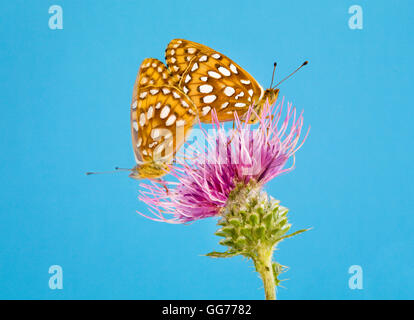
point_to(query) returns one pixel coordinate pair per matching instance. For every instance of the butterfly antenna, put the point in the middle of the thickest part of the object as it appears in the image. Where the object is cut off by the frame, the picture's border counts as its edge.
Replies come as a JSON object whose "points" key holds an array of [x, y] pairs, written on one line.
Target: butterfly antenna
{"points": [[122, 169], [273, 74], [302, 65], [105, 172]]}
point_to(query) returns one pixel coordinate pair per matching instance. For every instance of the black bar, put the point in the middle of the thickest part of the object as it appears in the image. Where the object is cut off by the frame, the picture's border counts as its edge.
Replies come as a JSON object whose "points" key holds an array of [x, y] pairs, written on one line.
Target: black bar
{"points": [[206, 309]]}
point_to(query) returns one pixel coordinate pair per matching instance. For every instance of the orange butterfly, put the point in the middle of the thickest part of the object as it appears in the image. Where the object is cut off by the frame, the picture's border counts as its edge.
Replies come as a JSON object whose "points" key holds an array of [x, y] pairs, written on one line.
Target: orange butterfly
{"points": [[166, 102], [161, 118], [213, 81]]}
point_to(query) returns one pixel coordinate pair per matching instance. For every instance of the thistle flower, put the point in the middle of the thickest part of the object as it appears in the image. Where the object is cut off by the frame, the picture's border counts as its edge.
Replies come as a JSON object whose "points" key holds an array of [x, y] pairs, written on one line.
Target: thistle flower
{"points": [[226, 159], [225, 177]]}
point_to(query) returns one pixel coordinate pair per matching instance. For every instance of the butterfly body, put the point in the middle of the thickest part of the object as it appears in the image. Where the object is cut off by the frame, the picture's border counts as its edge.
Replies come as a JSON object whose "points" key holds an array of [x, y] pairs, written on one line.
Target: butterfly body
{"points": [[151, 169], [270, 95]]}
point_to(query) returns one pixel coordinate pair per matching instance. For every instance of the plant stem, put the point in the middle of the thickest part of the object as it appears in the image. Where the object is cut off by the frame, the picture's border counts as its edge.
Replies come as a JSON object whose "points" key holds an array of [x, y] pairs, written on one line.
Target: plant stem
{"points": [[263, 264]]}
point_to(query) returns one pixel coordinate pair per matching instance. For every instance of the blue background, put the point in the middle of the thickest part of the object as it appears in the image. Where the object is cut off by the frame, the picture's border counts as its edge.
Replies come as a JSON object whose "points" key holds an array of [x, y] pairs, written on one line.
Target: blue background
{"points": [[65, 97]]}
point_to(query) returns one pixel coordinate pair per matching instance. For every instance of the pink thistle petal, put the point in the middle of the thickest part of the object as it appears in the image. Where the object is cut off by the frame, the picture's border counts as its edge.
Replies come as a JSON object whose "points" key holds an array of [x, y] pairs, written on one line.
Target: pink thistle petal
{"points": [[224, 159]]}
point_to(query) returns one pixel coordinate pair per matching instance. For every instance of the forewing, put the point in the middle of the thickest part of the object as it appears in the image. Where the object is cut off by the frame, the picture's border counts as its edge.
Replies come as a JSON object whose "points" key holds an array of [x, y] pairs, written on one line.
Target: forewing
{"points": [[179, 54], [161, 119], [152, 72], [213, 81]]}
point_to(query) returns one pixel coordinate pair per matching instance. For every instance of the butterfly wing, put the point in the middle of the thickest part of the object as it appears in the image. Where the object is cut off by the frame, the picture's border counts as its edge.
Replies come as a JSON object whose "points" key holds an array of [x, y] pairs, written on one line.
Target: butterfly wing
{"points": [[151, 72], [161, 119], [179, 54], [212, 80]]}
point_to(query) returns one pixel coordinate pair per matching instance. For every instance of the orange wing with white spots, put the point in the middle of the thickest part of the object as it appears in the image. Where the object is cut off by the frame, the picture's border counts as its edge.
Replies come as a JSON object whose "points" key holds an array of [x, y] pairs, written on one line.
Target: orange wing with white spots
{"points": [[179, 54], [212, 80], [152, 72], [161, 115]]}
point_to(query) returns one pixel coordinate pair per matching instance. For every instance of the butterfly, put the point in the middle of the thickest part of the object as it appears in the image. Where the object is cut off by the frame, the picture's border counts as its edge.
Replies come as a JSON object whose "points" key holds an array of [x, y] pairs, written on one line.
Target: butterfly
{"points": [[162, 116], [213, 81]]}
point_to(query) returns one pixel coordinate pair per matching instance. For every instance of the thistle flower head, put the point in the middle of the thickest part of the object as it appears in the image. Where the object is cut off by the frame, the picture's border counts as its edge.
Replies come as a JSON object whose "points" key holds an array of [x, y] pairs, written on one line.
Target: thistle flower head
{"points": [[223, 160]]}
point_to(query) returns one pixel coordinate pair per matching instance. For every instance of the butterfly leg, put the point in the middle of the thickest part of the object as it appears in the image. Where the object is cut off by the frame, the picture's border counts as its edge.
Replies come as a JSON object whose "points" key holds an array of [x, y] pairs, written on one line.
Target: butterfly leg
{"points": [[164, 184]]}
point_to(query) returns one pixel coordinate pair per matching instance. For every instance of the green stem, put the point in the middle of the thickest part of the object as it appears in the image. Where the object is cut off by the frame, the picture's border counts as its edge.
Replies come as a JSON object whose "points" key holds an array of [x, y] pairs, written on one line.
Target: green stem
{"points": [[263, 264]]}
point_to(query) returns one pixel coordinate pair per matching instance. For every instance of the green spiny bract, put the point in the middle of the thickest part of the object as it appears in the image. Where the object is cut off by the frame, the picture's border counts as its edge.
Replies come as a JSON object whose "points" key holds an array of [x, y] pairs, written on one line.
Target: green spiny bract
{"points": [[251, 221]]}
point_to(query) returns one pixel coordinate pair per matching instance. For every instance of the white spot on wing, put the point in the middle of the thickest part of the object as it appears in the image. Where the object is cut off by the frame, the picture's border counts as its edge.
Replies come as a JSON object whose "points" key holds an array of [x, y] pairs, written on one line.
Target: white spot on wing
{"points": [[144, 80], [224, 71], [150, 112], [229, 91], [205, 88], [224, 105], [233, 68], [261, 92], [205, 110], [170, 120], [209, 99], [184, 104], [165, 112], [214, 74], [241, 94], [195, 67], [155, 133], [142, 119]]}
